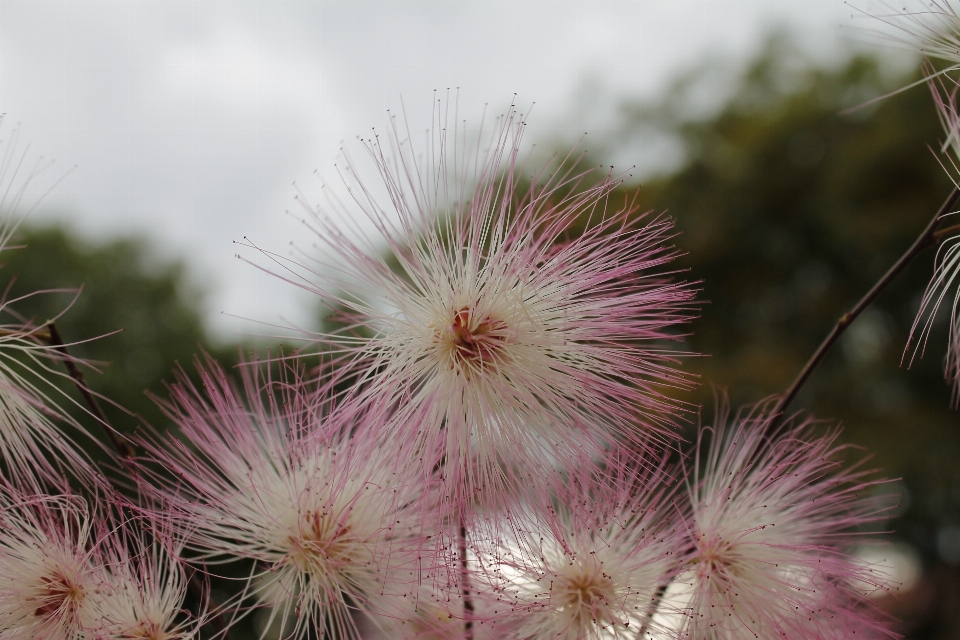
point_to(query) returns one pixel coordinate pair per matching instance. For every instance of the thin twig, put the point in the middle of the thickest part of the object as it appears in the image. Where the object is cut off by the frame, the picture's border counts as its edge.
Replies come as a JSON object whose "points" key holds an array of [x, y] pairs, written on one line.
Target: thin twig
{"points": [[939, 234], [927, 237], [120, 444]]}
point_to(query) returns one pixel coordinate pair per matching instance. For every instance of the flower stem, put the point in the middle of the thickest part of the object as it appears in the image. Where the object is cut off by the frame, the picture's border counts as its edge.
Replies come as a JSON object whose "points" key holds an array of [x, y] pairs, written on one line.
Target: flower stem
{"points": [[927, 237], [465, 582], [652, 609]]}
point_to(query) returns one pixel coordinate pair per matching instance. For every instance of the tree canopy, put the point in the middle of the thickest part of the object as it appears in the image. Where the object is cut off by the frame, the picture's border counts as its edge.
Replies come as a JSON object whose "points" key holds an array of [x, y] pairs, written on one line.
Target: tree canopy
{"points": [[136, 315], [789, 211]]}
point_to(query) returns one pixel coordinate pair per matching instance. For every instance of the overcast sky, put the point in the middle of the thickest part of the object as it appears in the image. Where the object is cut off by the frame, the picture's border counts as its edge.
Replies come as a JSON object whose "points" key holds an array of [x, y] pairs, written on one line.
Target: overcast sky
{"points": [[190, 120]]}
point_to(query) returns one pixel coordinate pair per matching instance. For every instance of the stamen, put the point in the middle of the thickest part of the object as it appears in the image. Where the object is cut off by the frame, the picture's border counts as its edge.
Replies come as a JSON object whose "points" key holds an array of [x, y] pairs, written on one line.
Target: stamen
{"points": [[61, 596], [322, 544], [473, 344], [586, 594]]}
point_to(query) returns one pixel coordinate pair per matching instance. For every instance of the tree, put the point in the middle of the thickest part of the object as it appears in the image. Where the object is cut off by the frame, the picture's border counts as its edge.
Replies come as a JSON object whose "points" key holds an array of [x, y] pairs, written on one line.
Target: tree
{"points": [[790, 210], [136, 316]]}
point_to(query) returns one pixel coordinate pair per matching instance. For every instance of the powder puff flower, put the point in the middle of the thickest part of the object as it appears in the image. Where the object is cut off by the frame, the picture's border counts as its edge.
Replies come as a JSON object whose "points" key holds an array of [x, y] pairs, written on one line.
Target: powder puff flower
{"points": [[272, 482], [419, 617], [500, 330], [594, 558], [143, 588], [946, 275], [33, 450], [431, 607], [768, 514], [932, 29], [47, 574]]}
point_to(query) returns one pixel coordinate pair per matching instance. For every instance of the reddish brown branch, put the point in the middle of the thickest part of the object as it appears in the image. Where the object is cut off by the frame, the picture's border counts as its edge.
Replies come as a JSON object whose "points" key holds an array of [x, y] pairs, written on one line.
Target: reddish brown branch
{"points": [[928, 237], [120, 444], [940, 234]]}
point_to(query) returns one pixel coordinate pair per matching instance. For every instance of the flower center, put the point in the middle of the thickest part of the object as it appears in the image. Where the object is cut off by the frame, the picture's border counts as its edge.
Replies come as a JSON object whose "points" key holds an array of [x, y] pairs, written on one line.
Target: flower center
{"points": [[476, 341], [322, 544], [716, 556], [146, 631], [59, 595], [585, 593]]}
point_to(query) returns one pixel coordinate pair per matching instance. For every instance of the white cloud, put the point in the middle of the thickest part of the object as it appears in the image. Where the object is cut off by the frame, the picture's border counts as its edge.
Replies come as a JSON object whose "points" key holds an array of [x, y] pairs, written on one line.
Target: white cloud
{"points": [[190, 119]]}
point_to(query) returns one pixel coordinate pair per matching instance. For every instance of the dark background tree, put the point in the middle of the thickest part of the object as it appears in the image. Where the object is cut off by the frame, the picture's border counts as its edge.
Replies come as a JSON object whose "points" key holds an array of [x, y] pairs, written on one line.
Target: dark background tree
{"points": [[141, 311], [789, 212]]}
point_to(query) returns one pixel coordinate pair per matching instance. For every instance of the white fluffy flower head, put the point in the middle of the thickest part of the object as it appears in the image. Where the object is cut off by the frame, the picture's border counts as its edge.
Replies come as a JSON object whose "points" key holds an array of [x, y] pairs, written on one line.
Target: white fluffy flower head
{"points": [[590, 565], [503, 327], [46, 574], [768, 513], [267, 483]]}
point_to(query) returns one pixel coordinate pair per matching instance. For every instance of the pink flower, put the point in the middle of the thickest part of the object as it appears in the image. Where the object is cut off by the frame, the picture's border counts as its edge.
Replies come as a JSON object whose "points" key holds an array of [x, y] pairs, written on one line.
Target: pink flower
{"points": [[64, 578], [34, 452], [34, 449], [593, 555], [500, 330], [47, 572], [432, 608], [770, 513], [276, 482], [931, 29], [143, 583], [946, 275]]}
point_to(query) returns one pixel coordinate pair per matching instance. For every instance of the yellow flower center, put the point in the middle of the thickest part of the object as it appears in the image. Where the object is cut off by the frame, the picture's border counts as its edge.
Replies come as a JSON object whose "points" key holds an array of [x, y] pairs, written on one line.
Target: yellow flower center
{"points": [[322, 543], [585, 593], [146, 631]]}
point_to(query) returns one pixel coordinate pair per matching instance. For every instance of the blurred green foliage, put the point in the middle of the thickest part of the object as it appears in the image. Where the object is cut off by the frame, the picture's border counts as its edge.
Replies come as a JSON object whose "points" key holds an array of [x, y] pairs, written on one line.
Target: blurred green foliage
{"points": [[135, 317], [789, 212]]}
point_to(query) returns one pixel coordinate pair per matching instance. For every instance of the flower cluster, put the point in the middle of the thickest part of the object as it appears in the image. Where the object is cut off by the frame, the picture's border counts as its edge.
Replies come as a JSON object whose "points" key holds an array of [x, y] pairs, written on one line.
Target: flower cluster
{"points": [[509, 352], [488, 447], [63, 576]]}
